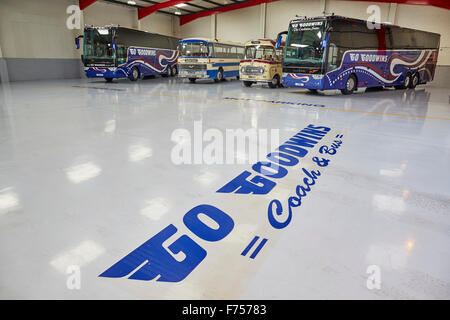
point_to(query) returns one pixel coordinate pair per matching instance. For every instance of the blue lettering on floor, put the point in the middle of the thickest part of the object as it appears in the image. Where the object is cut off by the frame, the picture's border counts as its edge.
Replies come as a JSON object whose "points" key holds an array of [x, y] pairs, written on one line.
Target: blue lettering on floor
{"points": [[287, 155], [278, 102], [275, 207], [169, 260]]}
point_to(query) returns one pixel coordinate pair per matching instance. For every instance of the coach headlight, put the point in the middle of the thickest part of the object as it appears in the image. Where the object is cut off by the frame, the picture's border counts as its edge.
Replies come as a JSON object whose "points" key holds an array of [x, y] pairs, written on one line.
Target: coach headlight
{"points": [[243, 69], [261, 70]]}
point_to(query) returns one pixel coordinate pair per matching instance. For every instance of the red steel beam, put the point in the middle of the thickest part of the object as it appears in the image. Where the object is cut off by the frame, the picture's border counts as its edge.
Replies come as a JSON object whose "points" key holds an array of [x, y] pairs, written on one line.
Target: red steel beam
{"points": [[83, 4], [190, 17], [143, 12], [436, 3]]}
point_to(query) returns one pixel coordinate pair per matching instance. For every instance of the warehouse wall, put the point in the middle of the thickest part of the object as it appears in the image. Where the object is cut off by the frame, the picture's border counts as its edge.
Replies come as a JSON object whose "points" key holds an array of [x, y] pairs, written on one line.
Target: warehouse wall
{"points": [[200, 28], [246, 28], [279, 13], [36, 44], [102, 13], [34, 40], [160, 23]]}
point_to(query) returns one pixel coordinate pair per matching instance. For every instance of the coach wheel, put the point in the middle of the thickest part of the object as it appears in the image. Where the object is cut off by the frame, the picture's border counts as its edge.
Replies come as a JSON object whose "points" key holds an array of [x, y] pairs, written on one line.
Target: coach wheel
{"points": [[108, 79], [248, 83], [350, 85], [275, 82], [406, 83], [414, 81], [219, 75], [173, 71], [312, 90], [134, 74], [192, 80]]}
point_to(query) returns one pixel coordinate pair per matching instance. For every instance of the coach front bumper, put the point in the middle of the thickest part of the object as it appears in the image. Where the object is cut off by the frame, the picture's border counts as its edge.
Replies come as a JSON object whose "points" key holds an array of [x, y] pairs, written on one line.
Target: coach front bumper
{"points": [[299, 80], [189, 73], [94, 72]]}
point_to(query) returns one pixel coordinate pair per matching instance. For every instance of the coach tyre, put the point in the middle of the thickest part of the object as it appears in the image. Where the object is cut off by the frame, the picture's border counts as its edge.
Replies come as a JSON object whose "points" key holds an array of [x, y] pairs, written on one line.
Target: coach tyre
{"points": [[275, 82], [414, 81], [108, 79], [350, 85], [219, 75], [406, 82], [248, 83], [192, 80], [173, 71], [134, 74]]}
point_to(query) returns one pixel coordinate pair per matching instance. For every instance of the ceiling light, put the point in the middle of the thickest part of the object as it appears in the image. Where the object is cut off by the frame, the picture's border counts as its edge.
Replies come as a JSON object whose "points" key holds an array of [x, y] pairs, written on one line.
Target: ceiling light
{"points": [[131, 2], [177, 12], [180, 5]]}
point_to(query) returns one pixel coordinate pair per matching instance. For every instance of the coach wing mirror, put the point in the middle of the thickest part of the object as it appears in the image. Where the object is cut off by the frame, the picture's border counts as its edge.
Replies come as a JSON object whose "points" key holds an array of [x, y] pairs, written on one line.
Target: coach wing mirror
{"points": [[279, 38], [77, 41]]}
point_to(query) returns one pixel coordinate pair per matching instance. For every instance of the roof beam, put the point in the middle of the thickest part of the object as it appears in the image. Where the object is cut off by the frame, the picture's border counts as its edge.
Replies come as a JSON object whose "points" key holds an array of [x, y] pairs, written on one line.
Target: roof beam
{"points": [[143, 12], [191, 17], [83, 4]]}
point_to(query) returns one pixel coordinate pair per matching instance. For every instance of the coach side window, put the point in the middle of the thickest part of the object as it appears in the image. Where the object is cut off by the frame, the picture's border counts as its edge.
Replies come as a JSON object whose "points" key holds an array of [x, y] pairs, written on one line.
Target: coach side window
{"points": [[340, 41], [332, 62], [363, 38], [240, 52], [401, 38], [218, 51], [121, 54], [234, 52]]}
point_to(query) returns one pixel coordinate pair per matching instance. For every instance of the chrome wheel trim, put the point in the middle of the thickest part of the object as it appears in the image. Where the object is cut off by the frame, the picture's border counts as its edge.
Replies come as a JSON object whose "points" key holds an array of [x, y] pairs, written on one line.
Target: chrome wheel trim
{"points": [[350, 84], [407, 80], [274, 81]]}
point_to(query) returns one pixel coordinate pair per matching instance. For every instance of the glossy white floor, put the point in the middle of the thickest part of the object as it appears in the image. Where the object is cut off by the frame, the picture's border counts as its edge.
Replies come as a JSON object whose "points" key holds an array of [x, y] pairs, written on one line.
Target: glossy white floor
{"points": [[86, 177]]}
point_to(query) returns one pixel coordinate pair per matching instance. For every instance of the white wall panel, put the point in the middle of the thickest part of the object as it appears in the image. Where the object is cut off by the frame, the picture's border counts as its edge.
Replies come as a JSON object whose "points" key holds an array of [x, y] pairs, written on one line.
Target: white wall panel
{"points": [[158, 23], [36, 29], [198, 28], [239, 25], [279, 14], [356, 9], [102, 13]]}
